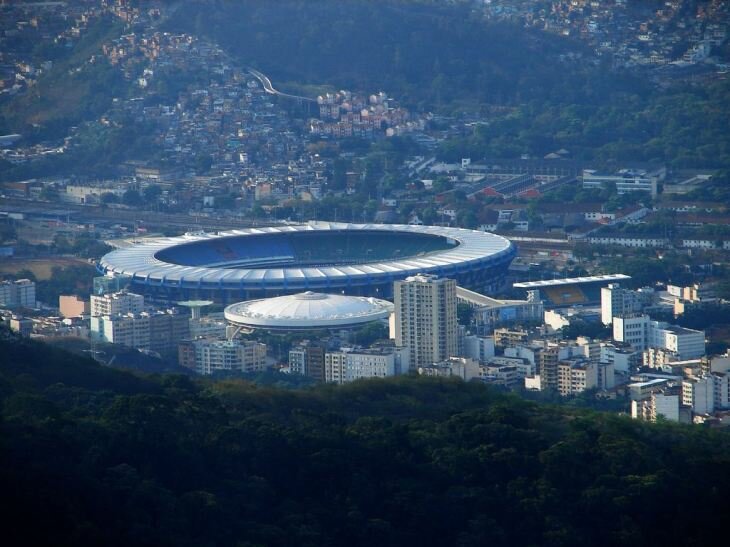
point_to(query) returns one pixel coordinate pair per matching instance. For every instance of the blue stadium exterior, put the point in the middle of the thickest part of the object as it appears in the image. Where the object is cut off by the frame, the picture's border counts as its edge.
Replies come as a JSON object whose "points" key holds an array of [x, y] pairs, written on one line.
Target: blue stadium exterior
{"points": [[354, 259]]}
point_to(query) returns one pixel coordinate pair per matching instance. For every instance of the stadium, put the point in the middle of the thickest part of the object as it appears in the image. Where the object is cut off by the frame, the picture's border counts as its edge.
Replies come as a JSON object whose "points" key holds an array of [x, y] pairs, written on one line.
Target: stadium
{"points": [[572, 291], [353, 259]]}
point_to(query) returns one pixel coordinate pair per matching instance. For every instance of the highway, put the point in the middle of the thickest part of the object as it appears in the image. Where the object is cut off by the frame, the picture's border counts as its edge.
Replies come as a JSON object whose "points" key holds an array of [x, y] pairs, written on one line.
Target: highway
{"points": [[96, 214], [269, 88]]}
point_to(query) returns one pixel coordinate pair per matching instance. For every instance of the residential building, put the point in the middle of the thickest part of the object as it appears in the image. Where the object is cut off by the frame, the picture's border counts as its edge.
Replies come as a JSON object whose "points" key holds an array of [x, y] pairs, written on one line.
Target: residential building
{"points": [[19, 293], [547, 367], [479, 348], [623, 359], [632, 330], [641, 333], [425, 318], [686, 343], [722, 390], [501, 375], [21, 325], [460, 367], [335, 367], [350, 364], [616, 301], [208, 356], [116, 303], [663, 403], [157, 331], [576, 376], [73, 306], [698, 393], [307, 359], [625, 180]]}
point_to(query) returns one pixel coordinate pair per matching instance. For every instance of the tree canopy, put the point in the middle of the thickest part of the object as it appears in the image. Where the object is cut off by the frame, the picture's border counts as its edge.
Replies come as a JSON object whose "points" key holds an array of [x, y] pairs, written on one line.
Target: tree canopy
{"points": [[92, 455]]}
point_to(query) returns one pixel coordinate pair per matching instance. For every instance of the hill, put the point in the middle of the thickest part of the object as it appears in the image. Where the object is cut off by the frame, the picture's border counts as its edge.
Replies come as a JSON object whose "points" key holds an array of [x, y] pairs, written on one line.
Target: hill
{"points": [[74, 90], [92, 455], [425, 53]]}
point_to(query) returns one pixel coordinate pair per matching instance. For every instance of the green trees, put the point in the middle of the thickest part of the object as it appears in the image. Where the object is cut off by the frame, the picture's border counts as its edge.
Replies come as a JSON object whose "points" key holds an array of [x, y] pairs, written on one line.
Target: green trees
{"points": [[132, 198], [94, 455], [426, 53]]}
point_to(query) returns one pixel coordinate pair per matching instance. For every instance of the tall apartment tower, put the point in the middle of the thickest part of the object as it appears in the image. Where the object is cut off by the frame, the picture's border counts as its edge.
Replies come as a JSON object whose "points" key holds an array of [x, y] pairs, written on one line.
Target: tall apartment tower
{"points": [[425, 318], [547, 366]]}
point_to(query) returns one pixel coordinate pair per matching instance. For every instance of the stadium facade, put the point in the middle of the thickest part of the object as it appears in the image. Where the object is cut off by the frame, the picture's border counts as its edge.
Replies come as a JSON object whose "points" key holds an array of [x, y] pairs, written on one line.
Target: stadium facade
{"points": [[353, 259]]}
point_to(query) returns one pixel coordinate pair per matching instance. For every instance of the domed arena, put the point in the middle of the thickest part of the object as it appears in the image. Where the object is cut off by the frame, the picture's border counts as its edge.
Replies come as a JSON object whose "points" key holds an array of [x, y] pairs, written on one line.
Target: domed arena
{"points": [[307, 311], [353, 259]]}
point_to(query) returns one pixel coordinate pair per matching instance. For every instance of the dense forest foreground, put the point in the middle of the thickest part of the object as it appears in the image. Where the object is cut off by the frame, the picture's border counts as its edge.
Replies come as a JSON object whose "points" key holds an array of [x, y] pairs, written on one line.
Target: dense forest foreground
{"points": [[96, 456]]}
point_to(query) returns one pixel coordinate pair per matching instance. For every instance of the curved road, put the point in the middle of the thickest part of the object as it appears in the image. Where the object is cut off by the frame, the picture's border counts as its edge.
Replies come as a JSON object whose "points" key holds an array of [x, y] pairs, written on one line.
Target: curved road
{"points": [[269, 88]]}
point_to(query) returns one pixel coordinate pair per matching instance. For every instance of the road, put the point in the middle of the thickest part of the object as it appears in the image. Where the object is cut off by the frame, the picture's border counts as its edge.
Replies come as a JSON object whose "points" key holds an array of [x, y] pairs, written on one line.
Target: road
{"points": [[269, 88], [96, 214]]}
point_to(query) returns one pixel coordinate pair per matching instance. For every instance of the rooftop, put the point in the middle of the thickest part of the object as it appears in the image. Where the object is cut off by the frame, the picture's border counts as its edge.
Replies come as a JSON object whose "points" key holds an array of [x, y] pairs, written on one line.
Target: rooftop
{"points": [[307, 311], [570, 281]]}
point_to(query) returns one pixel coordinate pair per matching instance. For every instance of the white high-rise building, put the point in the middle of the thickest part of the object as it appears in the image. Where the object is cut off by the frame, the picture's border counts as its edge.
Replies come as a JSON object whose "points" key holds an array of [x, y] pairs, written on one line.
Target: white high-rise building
{"points": [[425, 318], [632, 329], [116, 303], [616, 301]]}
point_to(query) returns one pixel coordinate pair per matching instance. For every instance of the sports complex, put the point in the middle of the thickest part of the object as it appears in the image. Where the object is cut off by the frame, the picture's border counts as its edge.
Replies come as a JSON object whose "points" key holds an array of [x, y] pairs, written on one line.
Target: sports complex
{"points": [[353, 259]]}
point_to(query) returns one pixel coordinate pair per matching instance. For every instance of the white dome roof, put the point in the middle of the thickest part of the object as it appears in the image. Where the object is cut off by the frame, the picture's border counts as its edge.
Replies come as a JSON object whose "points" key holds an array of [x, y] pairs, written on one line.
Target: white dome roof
{"points": [[308, 310]]}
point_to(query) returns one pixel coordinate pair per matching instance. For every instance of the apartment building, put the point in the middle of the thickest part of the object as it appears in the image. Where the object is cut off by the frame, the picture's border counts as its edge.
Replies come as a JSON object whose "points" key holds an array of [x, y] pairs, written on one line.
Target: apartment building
{"points": [[425, 318], [116, 303], [350, 364], [19, 293], [208, 356]]}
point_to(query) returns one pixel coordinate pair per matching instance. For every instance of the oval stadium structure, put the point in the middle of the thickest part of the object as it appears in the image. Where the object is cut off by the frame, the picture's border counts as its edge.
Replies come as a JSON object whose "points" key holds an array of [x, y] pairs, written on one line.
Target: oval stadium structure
{"points": [[354, 259]]}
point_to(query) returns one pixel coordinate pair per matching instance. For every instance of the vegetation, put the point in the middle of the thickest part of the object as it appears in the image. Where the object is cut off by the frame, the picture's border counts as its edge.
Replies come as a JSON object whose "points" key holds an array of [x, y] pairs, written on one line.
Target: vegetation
{"points": [[541, 92], [682, 127], [594, 329], [426, 53], [74, 90], [78, 280], [92, 455]]}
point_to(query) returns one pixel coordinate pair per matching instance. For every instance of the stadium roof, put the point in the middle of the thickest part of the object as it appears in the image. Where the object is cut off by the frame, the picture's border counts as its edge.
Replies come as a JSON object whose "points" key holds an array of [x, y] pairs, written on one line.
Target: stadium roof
{"points": [[570, 281], [141, 261], [307, 311]]}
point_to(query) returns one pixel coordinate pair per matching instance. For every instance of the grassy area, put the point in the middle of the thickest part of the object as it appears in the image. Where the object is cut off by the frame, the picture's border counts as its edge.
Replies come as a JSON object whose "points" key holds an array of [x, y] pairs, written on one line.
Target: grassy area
{"points": [[41, 267]]}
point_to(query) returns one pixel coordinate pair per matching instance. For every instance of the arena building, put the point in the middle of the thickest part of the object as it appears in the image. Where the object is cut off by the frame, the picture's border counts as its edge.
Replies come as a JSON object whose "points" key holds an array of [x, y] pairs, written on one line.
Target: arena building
{"points": [[307, 311], [354, 259], [571, 291]]}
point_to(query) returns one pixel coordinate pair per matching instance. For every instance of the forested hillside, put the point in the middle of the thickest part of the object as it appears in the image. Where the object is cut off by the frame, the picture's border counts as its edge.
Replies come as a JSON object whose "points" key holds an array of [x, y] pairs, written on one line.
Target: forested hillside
{"points": [[95, 456], [552, 91], [424, 52]]}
